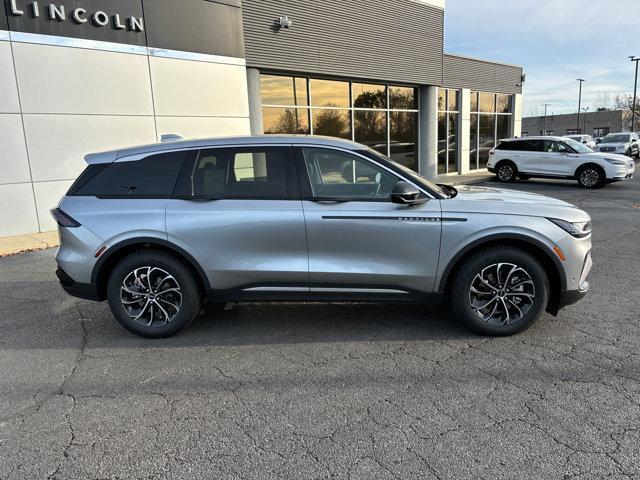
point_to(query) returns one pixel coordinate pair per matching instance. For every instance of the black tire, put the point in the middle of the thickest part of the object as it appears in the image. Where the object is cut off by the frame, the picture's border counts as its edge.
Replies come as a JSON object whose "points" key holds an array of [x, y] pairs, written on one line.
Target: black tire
{"points": [[524, 177], [484, 263], [506, 171], [153, 265], [591, 176]]}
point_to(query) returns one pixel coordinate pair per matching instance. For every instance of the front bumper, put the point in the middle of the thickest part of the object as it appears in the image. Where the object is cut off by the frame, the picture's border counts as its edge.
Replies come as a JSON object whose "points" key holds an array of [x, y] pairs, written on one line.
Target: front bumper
{"points": [[569, 297], [85, 291]]}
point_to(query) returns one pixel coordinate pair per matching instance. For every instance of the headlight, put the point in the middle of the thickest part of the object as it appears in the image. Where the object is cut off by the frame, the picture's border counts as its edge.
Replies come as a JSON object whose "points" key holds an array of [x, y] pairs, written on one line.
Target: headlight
{"points": [[575, 229], [616, 161]]}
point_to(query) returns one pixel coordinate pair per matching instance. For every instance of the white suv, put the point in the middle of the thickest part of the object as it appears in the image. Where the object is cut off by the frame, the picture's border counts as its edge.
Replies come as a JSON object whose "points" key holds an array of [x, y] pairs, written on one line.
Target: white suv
{"points": [[557, 157], [624, 143]]}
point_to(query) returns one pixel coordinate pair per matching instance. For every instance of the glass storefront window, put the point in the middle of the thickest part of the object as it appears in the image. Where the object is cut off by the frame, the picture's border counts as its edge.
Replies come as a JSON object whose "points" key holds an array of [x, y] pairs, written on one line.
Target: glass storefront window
{"points": [[474, 101], [503, 104], [487, 102], [452, 156], [329, 93], [503, 127], [285, 120], [452, 100], [442, 142], [447, 131], [402, 98], [403, 133], [382, 117], [473, 143], [486, 138], [287, 91], [369, 96], [442, 100], [370, 129], [331, 122]]}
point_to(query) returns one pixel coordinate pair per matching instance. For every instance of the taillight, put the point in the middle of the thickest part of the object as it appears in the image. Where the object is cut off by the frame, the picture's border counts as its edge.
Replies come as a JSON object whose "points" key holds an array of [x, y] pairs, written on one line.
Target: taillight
{"points": [[63, 219]]}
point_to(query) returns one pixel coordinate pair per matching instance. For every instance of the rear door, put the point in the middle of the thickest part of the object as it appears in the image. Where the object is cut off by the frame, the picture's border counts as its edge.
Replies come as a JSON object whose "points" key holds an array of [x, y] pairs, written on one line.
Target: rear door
{"points": [[557, 159], [525, 154], [241, 216], [361, 245]]}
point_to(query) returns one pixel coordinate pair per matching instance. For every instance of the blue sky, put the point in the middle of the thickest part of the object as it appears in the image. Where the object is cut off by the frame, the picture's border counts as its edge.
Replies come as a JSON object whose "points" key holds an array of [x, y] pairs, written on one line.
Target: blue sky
{"points": [[556, 41]]}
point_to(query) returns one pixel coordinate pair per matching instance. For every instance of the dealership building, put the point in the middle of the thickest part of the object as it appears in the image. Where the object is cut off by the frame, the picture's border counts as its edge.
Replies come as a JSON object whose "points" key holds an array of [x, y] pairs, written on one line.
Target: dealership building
{"points": [[79, 76]]}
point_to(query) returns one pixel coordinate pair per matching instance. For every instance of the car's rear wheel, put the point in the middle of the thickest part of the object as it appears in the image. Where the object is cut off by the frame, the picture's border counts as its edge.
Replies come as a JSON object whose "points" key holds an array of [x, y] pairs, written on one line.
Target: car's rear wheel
{"points": [[153, 294], [499, 291], [506, 171], [590, 177]]}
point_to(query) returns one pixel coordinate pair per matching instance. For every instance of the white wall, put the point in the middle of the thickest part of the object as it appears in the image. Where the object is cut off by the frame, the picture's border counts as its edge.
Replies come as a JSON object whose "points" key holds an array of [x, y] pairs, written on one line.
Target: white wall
{"points": [[61, 102]]}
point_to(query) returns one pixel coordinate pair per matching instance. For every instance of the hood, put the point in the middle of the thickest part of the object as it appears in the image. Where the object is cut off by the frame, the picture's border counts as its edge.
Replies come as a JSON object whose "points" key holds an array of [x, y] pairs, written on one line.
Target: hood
{"points": [[474, 199]]}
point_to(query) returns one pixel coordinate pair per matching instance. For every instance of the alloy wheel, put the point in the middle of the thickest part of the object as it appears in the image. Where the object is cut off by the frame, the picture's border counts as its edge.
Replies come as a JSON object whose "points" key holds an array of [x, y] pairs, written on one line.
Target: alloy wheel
{"points": [[151, 296], [505, 173], [589, 178], [502, 293]]}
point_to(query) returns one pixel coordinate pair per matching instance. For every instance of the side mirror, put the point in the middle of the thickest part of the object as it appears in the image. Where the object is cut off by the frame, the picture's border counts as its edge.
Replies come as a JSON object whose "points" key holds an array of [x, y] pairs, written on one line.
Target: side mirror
{"points": [[584, 141], [406, 194]]}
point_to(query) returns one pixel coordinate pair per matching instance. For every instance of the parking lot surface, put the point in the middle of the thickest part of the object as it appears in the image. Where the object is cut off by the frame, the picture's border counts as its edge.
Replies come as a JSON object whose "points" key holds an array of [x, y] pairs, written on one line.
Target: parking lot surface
{"points": [[324, 391]]}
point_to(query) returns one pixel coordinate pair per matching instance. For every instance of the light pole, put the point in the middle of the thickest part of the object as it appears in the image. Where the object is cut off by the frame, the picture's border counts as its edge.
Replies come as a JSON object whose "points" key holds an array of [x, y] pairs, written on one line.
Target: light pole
{"points": [[633, 58], [584, 120], [579, 102], [544, 119]]}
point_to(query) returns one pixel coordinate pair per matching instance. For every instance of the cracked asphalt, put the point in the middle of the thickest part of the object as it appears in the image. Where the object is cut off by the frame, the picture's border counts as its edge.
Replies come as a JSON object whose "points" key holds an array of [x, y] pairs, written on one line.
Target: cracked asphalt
{"points": [[328, 391]]}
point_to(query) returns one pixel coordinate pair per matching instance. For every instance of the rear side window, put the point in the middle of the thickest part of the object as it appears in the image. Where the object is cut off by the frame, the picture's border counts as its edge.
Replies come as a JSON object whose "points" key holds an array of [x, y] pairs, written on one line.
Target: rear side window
{"points": [[525, 146], [261, 172], [154, 176]]}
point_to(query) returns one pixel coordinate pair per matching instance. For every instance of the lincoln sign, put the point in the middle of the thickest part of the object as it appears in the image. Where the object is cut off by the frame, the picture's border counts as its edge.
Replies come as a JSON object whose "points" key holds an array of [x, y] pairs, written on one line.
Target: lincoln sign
{"points": [[79, 15]]}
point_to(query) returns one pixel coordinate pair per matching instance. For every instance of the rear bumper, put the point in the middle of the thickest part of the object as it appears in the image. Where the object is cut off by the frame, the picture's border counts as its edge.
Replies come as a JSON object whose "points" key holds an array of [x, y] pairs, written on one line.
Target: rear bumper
{"points": [[86, 291]]}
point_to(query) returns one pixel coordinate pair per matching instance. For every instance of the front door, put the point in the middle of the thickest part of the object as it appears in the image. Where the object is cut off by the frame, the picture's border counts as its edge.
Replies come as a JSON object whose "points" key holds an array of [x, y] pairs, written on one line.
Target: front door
{"points": [[557, 159], [242, 219], [360, 244]]}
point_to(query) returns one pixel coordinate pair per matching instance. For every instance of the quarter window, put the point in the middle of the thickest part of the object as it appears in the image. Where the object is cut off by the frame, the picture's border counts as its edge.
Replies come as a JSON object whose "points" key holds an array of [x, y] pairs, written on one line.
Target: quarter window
{"points": [[242, 173], [340, 175], [154, 176]]}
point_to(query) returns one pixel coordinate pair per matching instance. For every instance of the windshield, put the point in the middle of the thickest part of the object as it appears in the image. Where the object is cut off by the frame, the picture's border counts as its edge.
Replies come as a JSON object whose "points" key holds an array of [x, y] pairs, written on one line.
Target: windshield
{"points": [[410, 174], [577, 146], [616, 138]]}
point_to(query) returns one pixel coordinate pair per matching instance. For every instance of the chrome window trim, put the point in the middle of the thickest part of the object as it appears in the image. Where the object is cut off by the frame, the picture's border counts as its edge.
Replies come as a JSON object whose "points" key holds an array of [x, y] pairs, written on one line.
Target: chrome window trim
{"points": [[60, 41]]}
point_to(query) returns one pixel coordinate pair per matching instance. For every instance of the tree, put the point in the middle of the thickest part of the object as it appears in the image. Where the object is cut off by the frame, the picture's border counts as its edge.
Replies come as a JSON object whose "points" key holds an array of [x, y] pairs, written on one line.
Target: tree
{"points": [[332, 123], [602, 102], [625, 102]]}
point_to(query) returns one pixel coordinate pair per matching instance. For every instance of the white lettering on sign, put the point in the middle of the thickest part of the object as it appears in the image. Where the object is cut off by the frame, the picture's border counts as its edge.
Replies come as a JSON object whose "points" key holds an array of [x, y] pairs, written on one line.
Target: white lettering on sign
{"points": [[57, 13]]}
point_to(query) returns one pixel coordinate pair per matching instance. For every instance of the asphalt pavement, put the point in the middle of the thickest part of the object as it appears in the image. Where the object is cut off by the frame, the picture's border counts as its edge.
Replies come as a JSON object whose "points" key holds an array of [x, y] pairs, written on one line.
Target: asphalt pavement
{"points": [[328, 391]]}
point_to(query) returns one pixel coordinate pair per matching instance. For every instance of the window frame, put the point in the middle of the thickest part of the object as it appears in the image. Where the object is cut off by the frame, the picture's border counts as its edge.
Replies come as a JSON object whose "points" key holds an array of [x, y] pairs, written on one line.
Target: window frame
{"points": [[306, 190], [292, 177]]}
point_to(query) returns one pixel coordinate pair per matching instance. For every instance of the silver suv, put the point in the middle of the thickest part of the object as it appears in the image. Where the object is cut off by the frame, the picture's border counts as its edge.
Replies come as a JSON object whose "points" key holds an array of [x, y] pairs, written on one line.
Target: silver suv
{"points": [[160, 230]]}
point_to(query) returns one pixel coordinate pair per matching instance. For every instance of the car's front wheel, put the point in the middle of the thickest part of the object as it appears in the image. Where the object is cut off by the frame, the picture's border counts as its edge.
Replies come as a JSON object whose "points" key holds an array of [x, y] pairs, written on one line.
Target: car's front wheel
{"points": [[506, 171], [591, 177], [153, 294], [499, 291]]}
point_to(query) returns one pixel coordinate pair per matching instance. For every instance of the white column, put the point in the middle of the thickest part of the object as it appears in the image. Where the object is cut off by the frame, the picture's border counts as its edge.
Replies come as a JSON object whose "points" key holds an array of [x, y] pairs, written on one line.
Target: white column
{"points": [[464, 130], [428, 132], [516, 118], [255, 101]]}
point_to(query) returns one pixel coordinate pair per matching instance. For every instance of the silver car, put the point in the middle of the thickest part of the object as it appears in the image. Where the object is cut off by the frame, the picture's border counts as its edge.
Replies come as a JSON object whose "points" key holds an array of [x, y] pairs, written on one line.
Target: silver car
{"points": [[161, 230]]}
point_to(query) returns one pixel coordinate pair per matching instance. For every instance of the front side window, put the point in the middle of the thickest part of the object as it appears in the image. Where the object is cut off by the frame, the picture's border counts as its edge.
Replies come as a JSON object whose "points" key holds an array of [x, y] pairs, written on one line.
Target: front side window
{"points": [[242, 173], [341, 175], [154, 176]]}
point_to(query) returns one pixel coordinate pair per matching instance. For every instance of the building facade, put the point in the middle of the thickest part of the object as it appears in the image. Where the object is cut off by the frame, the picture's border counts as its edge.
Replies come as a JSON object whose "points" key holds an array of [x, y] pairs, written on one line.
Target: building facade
{"points": [[80, 76], [596, 124]]}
